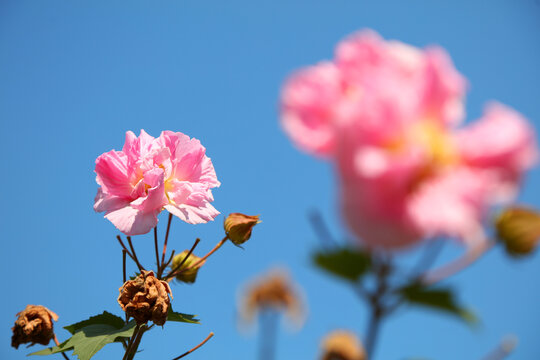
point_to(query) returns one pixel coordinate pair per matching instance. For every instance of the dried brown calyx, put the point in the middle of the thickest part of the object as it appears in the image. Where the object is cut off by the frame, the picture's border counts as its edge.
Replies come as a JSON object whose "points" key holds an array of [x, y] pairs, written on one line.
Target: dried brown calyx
{"points": [[33, 325], [146, 298], [342, 345]]}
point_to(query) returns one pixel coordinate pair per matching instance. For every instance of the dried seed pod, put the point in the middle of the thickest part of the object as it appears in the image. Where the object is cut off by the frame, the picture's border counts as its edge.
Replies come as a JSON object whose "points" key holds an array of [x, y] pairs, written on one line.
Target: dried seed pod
{"points": [[146, 298], [33, 325]]}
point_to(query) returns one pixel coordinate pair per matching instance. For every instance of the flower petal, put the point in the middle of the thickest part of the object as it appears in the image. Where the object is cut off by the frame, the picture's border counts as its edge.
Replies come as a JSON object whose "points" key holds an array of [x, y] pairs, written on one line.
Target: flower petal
{"points": [[193, 214], [133, 221]]}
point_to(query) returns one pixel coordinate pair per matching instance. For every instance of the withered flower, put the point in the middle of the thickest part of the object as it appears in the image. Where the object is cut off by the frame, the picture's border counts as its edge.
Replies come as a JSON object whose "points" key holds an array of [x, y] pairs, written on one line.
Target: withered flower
{"points": [[145, 298], [272, 291], [33, 325], [342, 345], [187, 276], [519, 230], [239, 226]]}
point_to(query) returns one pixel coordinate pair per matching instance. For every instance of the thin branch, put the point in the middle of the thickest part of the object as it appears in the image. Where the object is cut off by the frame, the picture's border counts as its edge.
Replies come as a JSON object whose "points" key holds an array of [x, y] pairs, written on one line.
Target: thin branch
{"points": [[58, 344], [201, 260], [164, 266], [432, 251], [320, 228], [504, 349], [136, 342], [447, 270], [131, 341], [141, 268], [177, 267], [124, 277], [196, 347], [378, 312], [158, 267], [124, 246]]}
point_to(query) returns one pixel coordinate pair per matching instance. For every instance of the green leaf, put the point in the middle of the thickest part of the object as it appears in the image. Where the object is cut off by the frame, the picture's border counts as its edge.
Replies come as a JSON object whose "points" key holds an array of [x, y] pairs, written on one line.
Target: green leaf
{"points": [[437, 298], [53, 350], [106, 318], [348, 264], [91, 335], [179, 317], [133, 277]]}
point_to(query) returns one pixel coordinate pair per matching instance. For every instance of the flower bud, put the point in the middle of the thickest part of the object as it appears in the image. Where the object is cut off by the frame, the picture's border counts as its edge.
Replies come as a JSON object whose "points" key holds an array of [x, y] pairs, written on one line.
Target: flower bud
{"points": [[342, 345], [33, 325], [146, 298], [187, 276], [273, 291], [518, 229], [238, 227]]}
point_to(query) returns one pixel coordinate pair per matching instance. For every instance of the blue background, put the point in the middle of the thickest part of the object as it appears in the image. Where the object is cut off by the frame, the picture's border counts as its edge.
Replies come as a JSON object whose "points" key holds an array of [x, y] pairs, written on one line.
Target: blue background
{"points": [[74, 76]]}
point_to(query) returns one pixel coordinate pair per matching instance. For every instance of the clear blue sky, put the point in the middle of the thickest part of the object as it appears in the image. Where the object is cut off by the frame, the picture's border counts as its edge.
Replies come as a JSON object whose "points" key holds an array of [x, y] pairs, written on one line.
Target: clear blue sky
{"points": [[74, 76]]}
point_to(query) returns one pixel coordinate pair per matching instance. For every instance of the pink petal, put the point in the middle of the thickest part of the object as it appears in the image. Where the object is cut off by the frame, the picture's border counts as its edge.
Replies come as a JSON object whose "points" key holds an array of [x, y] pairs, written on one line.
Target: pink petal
{"points": [[308, 103], [106, 202], [501, 139], [193, 214], [132, 221], [112, 173], [452, 204], [444, 88], [156, 198]]}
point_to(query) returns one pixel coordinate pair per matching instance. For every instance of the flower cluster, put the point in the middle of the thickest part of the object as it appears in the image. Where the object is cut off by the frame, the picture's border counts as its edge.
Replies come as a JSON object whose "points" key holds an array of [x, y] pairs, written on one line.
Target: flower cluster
{"points": [[386, 114], [150, 174]]}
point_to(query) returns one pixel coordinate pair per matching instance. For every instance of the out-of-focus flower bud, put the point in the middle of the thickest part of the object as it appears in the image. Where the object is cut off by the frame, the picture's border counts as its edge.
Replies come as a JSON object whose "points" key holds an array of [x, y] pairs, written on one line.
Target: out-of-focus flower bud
{"points": [[238, 227], [342, 345], [145, 298], [519, 230], [273, 291], [33, 325], [187, 276]]}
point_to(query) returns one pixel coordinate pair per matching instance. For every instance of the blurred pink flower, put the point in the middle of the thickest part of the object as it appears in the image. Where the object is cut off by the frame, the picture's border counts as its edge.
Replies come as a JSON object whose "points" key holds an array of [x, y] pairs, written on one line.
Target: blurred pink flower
{"points": [[385, 113], [150, 174]]}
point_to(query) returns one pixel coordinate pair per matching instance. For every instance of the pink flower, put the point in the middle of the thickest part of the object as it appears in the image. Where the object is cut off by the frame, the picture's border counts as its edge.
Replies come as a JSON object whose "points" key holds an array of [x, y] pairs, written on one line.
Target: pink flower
{"points": [[386, 116], [150, 174]]}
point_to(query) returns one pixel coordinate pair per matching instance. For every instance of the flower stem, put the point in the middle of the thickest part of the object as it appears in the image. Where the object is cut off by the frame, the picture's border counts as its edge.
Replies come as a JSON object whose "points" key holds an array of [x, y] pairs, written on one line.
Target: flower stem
{"points": [[166, 238], [58, 344], [156, 248], [201, 260], [175, 271], [374, 324], [378, 311], [196, 347], [124, 246], [130, 342], [504, 349], [136, 343], [124, 277], [134, 257], [268, 320], [445, 271]]}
